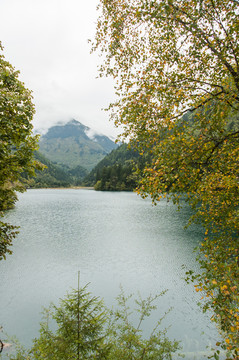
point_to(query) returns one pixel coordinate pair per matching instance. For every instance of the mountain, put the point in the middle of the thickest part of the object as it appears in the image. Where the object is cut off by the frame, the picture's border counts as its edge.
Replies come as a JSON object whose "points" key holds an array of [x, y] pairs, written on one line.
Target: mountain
{"points": [[74, 144]]}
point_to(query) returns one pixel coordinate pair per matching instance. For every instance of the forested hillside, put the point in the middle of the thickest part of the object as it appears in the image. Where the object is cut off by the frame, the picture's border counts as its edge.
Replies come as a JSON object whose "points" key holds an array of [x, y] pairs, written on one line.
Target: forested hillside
{"points": [[51, 176], [118, 171]]}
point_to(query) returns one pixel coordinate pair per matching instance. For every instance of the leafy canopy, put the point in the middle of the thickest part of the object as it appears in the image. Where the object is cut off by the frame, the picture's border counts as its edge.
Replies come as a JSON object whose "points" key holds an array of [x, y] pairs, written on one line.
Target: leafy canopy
{"points": [[16, 143], [176, 70]]}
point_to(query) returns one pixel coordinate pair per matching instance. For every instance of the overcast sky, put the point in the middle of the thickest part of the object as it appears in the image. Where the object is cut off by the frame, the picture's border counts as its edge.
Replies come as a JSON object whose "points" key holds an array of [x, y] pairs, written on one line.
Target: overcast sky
{"points": [[47, 41]]}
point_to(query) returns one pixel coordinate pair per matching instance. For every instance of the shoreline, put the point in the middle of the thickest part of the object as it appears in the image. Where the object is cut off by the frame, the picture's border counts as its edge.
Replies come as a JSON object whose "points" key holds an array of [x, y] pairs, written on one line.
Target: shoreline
{"points": [[63, 188]]}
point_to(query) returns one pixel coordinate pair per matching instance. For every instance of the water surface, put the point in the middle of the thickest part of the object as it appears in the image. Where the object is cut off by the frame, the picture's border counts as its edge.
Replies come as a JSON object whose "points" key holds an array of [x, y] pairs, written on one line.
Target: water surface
{"points": [[112, 238]]}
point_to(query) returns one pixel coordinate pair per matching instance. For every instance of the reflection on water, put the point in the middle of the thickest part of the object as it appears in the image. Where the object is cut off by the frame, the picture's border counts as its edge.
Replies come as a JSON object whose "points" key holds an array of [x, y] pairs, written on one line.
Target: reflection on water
{"points": [[112, 238]]}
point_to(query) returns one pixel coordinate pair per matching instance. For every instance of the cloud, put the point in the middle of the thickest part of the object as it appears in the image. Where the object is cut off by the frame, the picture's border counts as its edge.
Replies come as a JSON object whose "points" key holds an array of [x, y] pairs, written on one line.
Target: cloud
{"points": [[47, 41]]}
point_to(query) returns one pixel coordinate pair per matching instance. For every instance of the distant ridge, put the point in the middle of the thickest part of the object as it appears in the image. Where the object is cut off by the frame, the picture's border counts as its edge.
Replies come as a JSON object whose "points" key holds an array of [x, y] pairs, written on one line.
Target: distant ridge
{"points": [[74, 144]]}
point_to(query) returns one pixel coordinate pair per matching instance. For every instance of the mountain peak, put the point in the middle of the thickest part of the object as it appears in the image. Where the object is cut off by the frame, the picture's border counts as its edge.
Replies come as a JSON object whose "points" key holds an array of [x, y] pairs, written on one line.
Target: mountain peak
{"points": [[75, 123], [72, 128]]}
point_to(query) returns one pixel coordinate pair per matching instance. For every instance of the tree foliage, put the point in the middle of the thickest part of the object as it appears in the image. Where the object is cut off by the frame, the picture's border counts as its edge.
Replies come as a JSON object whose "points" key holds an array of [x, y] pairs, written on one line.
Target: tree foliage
{"points": [[126, 336], [176, 66], [120, 170], [80, 320], [16, 143], [84, 329], [116, 178]]}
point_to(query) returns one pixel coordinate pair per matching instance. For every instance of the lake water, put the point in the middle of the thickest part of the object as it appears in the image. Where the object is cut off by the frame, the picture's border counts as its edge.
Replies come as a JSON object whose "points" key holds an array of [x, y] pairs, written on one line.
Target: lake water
{"points": [[113, 239]]}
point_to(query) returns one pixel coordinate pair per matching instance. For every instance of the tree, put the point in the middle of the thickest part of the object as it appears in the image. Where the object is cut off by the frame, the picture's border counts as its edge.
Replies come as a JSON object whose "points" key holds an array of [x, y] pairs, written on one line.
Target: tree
{"points": [[126, 336], [176, 65], [16, 144], [85, 329], [80, 320]]}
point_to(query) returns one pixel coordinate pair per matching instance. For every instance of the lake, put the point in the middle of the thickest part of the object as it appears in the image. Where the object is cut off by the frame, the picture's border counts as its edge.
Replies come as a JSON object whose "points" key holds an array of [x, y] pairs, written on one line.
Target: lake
{"points": [[113, 239]]}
